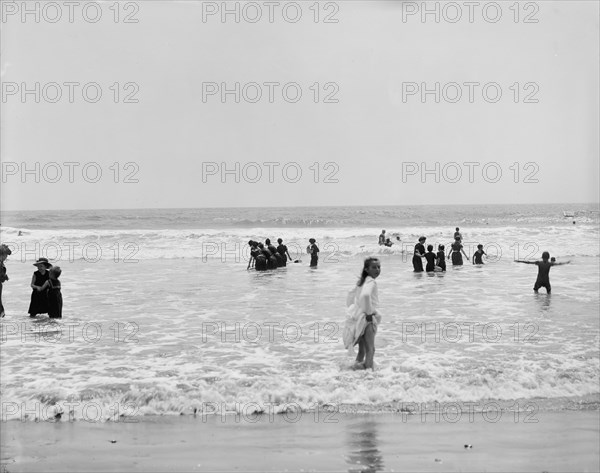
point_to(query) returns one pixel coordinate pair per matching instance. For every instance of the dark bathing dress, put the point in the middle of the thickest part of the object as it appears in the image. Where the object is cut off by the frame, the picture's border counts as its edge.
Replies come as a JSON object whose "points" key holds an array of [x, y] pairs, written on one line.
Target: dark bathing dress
{"points": [[543, 277], [456, 254], [314, 255], [282, 249], [441, 260], [430, 257], [55, 301], [417, 261], [3, 278], [39, 299], [478, 257], [261, 262]]}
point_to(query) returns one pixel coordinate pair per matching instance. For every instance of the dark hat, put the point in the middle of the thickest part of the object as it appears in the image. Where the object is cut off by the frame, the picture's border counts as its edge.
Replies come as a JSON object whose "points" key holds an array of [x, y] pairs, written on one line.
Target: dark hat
{"points": [[312, 240], [43, 261], [422, 238], [5, 250]]}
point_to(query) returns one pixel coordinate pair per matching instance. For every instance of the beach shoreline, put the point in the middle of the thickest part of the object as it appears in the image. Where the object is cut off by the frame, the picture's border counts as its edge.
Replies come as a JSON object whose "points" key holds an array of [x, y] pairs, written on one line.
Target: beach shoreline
{"points": [[558, 441]]}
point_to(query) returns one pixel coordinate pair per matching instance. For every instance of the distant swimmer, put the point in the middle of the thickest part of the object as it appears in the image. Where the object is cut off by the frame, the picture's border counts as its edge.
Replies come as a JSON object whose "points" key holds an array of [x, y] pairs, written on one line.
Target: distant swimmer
{"points": [[382, 238], [455, 252], [543, 277], [388, 241], [477, 256], [430, 257], [418, 255], [458, 234], [21, 233], [313, 250]]}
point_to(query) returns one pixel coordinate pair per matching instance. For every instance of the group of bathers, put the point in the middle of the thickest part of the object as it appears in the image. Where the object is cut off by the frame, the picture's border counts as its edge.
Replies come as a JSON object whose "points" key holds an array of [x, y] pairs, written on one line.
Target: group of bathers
{"points": [[267, 256]]}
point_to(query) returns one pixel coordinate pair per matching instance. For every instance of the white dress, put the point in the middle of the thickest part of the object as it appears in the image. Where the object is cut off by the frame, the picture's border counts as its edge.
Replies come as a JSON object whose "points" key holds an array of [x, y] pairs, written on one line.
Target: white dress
{"points": [[360, 302]]}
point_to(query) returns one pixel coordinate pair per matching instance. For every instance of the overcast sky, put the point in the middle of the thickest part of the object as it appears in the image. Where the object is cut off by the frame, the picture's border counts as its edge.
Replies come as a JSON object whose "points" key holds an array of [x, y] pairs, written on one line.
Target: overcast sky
{"points": [[367, 141]]}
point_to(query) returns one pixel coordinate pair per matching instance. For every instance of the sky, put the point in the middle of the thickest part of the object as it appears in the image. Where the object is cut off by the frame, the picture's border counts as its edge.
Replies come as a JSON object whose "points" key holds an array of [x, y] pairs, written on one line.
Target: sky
{"points": [[337, 103]]}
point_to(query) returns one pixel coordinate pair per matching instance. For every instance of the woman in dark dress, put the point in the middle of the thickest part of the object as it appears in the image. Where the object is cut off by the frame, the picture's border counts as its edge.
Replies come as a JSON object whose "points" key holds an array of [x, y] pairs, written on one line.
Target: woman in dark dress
{"points": [[55, 301], [253, 253], [478, 255], [283, 251], [430, 257], [455, 252], [313, 250], [261, 262], [441, 258], [418, 255], [39, 296], [262, 258], [4, 252]]}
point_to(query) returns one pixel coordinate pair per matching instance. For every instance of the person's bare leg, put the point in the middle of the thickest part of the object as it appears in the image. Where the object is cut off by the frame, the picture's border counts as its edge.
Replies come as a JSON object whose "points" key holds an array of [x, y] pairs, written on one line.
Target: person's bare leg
{"points": [[361, 349], [369, 340]]}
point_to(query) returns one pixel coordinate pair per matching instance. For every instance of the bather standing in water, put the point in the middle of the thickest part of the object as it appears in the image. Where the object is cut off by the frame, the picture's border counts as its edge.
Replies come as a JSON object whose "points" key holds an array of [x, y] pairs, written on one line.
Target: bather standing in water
{"points": [[543, 277], [418, 255], [455, 252]]}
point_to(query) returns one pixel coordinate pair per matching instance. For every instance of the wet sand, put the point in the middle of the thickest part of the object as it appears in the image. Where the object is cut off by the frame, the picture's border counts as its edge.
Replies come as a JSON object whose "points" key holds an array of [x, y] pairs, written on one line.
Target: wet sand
{"points": [[559, 441]]}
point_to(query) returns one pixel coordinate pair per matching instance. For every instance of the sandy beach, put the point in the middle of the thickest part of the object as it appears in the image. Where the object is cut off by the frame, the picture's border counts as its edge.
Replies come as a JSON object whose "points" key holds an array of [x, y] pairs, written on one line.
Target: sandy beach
{"points": [[559, 441]]}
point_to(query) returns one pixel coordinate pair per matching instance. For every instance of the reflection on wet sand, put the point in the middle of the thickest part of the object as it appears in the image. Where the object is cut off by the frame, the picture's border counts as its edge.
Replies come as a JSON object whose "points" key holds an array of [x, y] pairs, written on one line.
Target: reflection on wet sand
{"points": [[363, 456]]}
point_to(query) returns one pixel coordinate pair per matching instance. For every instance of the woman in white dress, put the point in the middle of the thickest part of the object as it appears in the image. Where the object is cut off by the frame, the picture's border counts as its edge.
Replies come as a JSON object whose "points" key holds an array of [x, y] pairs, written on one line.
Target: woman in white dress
{"points": [[363, 316]]}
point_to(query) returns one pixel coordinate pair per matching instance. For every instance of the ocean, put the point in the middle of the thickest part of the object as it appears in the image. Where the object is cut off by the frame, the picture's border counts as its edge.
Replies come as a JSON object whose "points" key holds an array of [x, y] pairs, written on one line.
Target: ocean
{"points": [[161, 316]]}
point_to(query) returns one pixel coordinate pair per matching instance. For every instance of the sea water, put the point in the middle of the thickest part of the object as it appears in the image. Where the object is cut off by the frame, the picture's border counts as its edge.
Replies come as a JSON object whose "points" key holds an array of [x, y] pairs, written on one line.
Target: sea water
{"points": [[161, 316]]}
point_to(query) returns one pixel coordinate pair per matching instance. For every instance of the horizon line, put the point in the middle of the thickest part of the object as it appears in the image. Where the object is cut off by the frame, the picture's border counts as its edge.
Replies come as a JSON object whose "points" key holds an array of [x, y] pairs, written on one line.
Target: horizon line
{"points": [[300, 206]]}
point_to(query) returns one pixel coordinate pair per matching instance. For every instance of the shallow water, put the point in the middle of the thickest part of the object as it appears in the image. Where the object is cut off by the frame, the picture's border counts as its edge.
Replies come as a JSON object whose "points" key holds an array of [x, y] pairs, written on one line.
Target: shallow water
{"points": [[170, 334]]}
